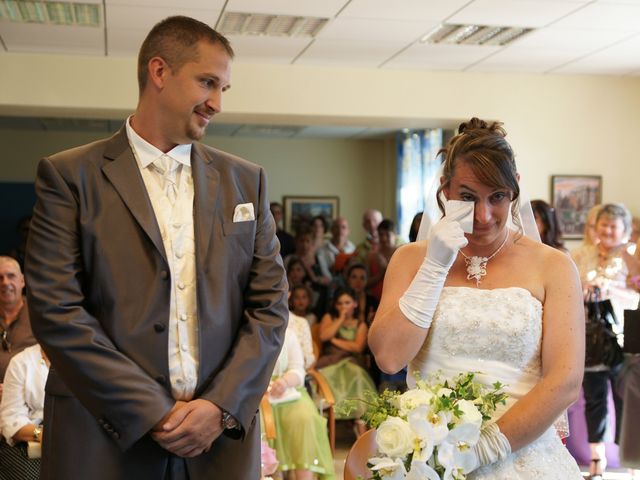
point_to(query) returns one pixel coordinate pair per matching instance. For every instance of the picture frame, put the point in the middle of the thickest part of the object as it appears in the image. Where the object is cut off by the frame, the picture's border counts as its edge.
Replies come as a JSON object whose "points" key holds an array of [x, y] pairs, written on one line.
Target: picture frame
{"points": [[572, 196], [301, 209]]}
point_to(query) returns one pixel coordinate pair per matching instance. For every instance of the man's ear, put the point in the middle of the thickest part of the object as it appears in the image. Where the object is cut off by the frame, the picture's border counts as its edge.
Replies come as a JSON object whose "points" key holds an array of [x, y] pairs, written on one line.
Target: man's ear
{"points": [[157, 71]]}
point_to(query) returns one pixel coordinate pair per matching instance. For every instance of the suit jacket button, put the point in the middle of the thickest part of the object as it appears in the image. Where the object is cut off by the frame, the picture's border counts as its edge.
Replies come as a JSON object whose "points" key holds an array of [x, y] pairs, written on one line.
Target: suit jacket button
{"points": [[164, 274], [116, 435], [159, 327]]}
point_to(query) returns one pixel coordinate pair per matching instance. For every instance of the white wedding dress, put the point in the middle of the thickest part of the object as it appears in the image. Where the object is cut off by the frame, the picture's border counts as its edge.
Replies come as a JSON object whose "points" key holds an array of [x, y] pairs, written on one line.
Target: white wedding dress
{"points": [[499, 334]]}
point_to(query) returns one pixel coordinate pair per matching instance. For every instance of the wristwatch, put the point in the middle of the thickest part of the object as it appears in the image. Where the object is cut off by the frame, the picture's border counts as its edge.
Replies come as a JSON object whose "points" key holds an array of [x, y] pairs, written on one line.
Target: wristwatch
{"points": [[37, 431], [228, 422]]}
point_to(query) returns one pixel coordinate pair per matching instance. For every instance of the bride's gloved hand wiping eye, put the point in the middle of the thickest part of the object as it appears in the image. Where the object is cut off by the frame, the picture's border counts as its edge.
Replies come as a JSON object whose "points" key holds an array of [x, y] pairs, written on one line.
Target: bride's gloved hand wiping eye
{"points": [[445, 240]]}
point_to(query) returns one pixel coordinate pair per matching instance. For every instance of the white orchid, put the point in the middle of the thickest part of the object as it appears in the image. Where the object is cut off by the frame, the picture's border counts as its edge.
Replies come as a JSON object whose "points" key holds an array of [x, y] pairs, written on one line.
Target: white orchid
{"points": [[389, 469], [421, 471], [430, 430], [444, 392], [395, 437], [457, 452]]}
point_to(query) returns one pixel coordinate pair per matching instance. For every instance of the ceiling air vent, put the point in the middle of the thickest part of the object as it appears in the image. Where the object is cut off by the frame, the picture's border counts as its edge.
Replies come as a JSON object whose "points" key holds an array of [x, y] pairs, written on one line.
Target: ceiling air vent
{"points": [[453, 34], [51, 13], [234, 23]]}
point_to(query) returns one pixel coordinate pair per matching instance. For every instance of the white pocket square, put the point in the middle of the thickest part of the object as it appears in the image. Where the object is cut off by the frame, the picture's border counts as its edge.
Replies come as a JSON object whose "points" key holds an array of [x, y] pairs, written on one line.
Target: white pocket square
{"points": [[243, 213]]}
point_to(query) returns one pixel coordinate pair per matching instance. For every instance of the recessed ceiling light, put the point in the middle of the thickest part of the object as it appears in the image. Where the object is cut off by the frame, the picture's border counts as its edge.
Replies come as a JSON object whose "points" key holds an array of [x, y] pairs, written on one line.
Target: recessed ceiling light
{"points": [[51, 13], [474, 34], [238, 23]]}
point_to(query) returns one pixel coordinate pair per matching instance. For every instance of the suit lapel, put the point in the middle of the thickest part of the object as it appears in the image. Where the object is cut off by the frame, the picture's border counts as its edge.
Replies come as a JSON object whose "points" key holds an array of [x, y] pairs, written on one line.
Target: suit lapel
{"points": [[206, 182], [124, 175]]}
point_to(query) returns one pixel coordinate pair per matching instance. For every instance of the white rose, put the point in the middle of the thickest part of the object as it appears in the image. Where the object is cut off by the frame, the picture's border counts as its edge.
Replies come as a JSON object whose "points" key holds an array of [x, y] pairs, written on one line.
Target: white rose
{"points": [[394, 437], [444, 392], [412, 399], [470, 413]]}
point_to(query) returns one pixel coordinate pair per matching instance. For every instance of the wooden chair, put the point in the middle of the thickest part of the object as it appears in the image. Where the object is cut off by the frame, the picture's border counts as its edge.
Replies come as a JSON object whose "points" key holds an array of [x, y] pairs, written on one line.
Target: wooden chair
{"points": [[362, 450], [328, 402], [269, 424]]}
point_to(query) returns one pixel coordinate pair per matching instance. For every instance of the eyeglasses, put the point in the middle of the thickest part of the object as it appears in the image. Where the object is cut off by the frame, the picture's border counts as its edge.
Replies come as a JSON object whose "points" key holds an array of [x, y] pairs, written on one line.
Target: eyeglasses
{"points": [[4, 338]]}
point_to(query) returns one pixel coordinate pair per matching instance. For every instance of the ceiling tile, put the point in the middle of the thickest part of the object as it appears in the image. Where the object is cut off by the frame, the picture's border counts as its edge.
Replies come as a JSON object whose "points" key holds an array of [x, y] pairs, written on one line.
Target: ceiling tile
{"points": [[364, 29], [29, 37], [145, 17], [426, 56], [605, 15], [620, 58], [355, 53], [431, 10], [517, 13], [308, 8], [252, 48], [524, 59], [565, 38]]}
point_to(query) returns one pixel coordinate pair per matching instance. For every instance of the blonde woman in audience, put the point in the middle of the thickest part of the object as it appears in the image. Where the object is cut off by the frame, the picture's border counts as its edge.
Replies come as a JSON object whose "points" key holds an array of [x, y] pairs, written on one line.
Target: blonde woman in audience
{"points": [[605, 265], [302, 442], [21, 413]]}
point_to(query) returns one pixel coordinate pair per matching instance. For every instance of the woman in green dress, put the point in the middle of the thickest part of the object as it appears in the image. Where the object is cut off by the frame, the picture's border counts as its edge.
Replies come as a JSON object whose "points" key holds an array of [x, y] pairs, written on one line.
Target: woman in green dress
{"points": [[301, 443], [344, 337]]}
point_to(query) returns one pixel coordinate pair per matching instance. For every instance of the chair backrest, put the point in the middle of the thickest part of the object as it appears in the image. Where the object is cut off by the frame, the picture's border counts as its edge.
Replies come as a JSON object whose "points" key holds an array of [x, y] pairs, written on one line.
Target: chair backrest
{"points": [[266, 411], [362, 450]]}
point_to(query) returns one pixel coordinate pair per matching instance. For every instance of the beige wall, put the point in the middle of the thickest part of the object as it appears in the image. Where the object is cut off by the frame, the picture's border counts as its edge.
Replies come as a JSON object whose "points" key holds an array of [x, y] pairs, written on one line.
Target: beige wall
{"points": [[557, 124], [360, 172]]}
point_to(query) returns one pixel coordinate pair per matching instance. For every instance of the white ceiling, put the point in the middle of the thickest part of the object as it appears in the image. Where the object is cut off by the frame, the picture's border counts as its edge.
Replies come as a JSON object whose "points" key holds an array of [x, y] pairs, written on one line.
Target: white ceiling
{"points": [[572, 36]]}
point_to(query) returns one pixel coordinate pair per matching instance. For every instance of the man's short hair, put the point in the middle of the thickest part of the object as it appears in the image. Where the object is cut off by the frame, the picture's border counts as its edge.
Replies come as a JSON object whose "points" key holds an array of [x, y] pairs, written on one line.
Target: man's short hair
{"points": [[174, 39], [10, 260]]}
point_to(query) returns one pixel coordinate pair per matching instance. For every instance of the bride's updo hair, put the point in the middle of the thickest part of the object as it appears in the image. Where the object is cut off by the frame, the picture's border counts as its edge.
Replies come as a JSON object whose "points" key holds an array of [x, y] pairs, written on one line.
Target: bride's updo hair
{"points": [[482, 146]]}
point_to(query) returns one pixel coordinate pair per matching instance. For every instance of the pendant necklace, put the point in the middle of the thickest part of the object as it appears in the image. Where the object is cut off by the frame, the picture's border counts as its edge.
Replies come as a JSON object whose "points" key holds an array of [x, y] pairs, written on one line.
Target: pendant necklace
{"points": [[477, 266]]}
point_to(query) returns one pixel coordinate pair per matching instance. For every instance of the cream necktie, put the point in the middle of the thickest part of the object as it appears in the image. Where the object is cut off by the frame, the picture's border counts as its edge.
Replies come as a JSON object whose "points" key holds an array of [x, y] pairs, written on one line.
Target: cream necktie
{"points": [[168, 167]]}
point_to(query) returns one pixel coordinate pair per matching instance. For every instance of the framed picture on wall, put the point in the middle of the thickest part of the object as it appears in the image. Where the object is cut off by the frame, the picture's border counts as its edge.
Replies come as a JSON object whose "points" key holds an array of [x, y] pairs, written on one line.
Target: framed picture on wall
{"points": [[301, 209], [572, 196]]}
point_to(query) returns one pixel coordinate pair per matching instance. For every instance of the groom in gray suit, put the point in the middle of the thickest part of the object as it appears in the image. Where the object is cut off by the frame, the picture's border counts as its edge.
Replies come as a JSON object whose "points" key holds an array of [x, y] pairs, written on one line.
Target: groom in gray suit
{"points": [[155, 284]]}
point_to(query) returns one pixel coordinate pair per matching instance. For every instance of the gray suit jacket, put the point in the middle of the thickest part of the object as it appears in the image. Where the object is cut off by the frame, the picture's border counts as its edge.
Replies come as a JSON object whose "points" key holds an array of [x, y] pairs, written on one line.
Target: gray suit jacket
{"points": [[99, 292]]}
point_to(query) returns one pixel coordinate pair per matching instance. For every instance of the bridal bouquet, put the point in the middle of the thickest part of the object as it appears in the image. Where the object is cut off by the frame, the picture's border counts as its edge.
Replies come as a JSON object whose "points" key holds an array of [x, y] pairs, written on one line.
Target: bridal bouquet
{"points": [[429, 432]]}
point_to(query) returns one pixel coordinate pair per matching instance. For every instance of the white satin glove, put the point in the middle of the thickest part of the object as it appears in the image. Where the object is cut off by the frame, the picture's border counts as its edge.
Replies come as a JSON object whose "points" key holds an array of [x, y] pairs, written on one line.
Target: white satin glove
{"points": [[421, 298], [492, 446]]}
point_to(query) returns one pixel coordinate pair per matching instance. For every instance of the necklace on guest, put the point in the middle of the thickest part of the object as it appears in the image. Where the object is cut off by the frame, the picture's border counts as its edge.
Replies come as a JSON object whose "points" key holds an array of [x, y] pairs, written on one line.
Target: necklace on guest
{"points": [[477, 266]]}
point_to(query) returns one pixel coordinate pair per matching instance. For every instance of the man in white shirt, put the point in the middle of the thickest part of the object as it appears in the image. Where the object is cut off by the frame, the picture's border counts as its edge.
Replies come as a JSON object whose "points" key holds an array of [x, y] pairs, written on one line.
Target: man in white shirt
{"points": [[155, 284]]}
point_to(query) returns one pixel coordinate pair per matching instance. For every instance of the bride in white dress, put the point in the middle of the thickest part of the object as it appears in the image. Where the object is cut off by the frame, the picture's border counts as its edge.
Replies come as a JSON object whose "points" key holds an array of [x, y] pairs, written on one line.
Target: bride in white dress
{"points": [[492, 301]]}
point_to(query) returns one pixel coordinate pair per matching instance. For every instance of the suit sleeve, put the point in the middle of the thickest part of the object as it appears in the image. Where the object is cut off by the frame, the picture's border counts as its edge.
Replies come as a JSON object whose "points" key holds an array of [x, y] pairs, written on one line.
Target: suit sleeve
{"points": [[117, 391], [244, 378]]}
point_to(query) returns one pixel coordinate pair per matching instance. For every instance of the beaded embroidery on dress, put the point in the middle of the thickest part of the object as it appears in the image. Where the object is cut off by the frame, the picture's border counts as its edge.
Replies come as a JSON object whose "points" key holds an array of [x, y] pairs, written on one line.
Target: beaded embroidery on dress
{"points": [[499, 334]]}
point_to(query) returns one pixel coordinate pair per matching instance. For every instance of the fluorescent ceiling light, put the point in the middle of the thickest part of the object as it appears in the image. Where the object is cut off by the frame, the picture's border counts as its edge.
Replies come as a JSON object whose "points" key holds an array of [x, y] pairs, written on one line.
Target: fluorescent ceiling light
{"points": [[51, 13], [238, 23], [455, 34]]}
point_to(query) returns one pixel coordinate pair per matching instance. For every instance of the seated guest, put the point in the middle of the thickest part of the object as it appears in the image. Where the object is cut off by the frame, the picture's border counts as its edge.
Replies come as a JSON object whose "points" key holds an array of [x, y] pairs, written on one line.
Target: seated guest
{"points": [[287, 243], [337, 251], [319, 229], [356, 280], [300, 327], [316, 272], [300, 302], [21, 412], [302, 442], [377, 261], [370, 221], [15, 328], [344, 339]]}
